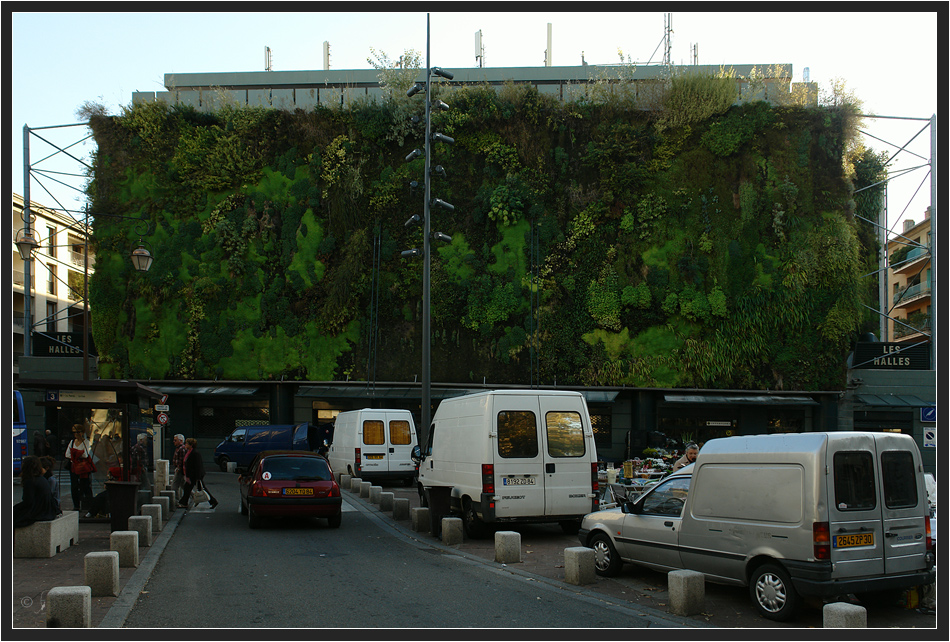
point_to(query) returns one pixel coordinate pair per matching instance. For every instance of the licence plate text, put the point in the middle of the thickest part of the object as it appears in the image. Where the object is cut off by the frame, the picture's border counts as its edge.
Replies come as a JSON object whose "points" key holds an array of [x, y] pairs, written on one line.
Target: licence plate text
{"points": [[858, 539], [517, 481], [375, 456], [298, 491]]}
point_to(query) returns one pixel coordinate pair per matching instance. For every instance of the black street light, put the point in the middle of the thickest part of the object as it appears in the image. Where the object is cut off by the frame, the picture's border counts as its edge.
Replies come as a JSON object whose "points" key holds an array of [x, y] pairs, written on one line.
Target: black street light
{"points": [[427, 236]]}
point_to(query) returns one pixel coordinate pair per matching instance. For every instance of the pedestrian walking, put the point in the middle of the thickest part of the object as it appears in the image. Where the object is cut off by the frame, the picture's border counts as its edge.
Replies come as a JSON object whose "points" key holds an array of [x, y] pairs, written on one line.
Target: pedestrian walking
{"points": [[178, 464], [81, 466], [194, 474], [138, 465], [41, 445]]}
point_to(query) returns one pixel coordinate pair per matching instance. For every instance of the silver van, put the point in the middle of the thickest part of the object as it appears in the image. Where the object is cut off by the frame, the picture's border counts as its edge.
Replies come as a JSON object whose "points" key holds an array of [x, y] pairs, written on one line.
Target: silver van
{"points": [[817, 514]]}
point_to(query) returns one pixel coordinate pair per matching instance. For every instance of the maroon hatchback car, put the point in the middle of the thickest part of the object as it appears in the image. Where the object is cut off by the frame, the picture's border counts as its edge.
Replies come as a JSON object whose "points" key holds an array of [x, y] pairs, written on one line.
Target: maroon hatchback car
{"points": [[290, 483]]}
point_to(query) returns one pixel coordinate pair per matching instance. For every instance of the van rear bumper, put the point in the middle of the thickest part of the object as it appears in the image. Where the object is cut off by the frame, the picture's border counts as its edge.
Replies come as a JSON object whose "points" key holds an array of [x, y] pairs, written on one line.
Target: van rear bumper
{"points": [[815, 578]]}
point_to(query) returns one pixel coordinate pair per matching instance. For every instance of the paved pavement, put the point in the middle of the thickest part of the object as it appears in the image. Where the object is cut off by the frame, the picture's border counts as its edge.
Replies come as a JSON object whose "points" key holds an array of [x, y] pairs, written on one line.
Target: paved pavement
{"points": [[542, 561]]}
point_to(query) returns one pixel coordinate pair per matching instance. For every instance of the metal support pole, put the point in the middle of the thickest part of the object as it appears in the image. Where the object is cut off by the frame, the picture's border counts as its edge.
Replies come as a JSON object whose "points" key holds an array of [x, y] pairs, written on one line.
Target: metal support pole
{"points": [[933, 242], [28, 264], [426, 258]]}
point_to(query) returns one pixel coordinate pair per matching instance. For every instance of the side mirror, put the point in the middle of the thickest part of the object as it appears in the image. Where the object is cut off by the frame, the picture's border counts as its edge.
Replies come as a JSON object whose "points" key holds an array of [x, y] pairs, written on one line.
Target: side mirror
{"points": [[631, 508], [416, 454]]}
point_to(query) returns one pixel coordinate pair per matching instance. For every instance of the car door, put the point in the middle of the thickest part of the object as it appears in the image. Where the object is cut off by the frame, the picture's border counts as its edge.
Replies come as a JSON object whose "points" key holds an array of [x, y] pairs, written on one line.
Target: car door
{"points": [[650, 534], [567, 441], [519, 464]]}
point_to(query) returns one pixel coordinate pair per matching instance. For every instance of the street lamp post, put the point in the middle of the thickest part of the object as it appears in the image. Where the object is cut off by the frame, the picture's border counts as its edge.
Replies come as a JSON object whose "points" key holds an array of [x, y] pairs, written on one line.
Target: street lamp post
{"points": [[427, 228]]}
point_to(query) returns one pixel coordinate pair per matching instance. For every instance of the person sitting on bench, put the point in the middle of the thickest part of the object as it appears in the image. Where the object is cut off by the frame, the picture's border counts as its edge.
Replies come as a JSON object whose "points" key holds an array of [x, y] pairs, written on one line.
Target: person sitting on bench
{"points": [[38, 504]]}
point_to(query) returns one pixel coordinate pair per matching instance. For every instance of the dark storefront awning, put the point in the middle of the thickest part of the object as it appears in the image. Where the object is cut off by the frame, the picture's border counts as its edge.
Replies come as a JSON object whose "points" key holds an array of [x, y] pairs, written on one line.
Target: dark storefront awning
{"points": [[892, 400], [746, 400]]}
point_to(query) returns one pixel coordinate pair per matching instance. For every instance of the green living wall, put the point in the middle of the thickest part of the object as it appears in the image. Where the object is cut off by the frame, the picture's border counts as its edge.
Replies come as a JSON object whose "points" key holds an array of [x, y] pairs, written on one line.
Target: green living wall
{"points": [[696, 244]]}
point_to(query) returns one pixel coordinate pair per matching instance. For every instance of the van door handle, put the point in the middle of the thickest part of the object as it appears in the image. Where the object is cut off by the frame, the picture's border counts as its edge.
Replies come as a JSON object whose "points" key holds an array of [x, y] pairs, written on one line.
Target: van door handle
{"points": [[549, 468], [669, 524], [392, 450]]}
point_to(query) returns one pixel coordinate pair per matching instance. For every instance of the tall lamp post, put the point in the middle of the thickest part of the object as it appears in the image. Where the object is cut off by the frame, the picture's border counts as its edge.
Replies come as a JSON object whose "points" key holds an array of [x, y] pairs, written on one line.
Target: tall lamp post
{"points": [[26, 244], [426, 252]]}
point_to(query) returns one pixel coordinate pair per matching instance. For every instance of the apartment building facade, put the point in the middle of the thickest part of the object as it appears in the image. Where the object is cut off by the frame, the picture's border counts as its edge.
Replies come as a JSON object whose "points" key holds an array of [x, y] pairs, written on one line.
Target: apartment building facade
{"points": [[910, 283]]}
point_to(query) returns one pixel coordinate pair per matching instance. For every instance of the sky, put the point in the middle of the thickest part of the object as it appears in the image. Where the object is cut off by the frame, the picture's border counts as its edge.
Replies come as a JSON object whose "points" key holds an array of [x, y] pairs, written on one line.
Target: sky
{"points": [[59, 61]]}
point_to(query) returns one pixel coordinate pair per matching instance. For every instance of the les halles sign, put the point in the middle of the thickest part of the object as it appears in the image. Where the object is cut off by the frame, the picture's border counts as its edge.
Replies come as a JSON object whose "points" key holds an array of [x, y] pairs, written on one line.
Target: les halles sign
{"points": [[892, 356]]}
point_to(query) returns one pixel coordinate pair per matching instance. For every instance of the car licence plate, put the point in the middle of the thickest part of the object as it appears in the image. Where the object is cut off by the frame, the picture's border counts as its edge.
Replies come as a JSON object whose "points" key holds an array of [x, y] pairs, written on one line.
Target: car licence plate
{"points": [[374, 456], [517, 481], [297, 492], [850, 541]]}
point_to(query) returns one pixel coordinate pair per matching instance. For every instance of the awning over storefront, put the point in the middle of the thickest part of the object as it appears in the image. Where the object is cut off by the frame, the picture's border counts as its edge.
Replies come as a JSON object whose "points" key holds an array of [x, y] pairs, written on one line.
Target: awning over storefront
{"points": [[892, 400], [744, 400]]}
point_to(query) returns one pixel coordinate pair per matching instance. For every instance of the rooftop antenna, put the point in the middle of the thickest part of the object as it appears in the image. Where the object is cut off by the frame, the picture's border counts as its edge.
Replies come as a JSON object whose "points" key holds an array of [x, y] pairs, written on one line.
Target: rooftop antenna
{"points": [[326, 55], [479, 49], [547, 52], [696, 53], [267, 59]]}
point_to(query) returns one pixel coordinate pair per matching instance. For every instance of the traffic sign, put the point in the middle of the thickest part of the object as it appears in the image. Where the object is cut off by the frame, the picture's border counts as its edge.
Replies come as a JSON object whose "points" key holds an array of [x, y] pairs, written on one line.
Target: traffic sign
{"points": [[162, 418], [161, 407]]}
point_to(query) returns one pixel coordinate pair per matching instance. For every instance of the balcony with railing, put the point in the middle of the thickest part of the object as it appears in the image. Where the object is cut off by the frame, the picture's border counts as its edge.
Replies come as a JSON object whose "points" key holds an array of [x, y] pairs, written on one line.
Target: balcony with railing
{"points": [[908, 259], [911, 294], [915, 325]]}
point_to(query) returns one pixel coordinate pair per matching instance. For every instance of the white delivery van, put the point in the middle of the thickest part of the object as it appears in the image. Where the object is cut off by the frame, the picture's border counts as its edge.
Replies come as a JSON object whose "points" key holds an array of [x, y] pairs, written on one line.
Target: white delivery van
{"points": [[819, 514], [513, 456], [374, 444]]}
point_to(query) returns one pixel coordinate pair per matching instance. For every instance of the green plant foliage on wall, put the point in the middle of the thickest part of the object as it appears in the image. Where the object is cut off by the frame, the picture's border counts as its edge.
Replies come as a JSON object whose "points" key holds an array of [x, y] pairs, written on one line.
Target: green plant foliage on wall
{"points": [[700, 243]]}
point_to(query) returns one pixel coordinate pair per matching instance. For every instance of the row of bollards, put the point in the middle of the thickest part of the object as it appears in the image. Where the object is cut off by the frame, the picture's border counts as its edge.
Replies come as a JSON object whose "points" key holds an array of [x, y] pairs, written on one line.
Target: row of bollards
{"points": [[686, 587], [71, 606]]}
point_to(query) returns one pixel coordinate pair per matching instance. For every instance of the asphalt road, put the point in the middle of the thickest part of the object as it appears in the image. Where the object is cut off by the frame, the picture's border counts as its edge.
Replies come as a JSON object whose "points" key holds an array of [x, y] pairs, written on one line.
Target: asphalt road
{"points": [[216, 572]]}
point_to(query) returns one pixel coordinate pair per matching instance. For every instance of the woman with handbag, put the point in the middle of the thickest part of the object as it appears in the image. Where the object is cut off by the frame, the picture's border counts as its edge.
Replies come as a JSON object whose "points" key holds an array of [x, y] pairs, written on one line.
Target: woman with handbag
{"points": [[79, 457], [194, 475]]}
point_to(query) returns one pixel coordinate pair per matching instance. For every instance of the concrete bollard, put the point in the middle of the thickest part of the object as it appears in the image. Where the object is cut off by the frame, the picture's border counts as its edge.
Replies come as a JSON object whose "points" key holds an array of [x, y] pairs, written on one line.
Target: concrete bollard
{"points": [[508, 547], [844, 615], [142, 524], [687, 591], [172, 500], [451, 531], [231, 466], [126, 544], [345, 480], [69, 607], [420, 519], [355, 484], [386, 502], [162, 480], [101, 571], [579, 565], [400, 508], [364, 488], [155, 512], [374, 493], [166, 508]]}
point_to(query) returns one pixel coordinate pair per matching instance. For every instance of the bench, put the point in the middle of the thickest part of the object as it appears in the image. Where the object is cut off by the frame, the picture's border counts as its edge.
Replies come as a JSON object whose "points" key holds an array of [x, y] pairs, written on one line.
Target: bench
{"points": [[47, 538]]}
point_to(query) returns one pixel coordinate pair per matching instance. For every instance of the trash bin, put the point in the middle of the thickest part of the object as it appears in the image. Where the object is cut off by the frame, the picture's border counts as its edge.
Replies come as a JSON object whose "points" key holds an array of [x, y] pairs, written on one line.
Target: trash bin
{"points": [[122, 502], [438, 498]]}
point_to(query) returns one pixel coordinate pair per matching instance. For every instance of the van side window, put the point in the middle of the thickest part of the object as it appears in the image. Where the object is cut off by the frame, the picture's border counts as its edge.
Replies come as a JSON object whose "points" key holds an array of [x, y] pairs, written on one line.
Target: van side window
{"points": [[517, 434], [668, 499], [900, 482], [238, 435], [854, 481], [373, 433], [565, 434], [399, 433]]}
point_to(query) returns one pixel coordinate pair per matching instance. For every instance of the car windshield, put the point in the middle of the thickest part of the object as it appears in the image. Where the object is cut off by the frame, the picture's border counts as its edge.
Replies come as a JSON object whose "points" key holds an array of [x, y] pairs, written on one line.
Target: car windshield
{"points": [[296, 468]]}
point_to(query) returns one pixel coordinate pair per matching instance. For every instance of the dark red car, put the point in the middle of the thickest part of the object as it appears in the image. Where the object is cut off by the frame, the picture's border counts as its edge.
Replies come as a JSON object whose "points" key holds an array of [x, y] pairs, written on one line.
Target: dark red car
{"points": [[290, 483]]}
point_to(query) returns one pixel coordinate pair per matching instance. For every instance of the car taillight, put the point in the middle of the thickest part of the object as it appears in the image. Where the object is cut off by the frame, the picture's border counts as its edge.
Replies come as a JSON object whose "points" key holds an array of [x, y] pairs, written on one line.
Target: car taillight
{"points": [[359, 460], [334, 490], [256, 490], [929, 542], [488, 479], [821, 537], [595, 484]]}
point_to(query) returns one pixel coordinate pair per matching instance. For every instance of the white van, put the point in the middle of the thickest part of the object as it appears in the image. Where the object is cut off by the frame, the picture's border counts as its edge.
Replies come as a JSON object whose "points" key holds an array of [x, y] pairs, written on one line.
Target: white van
{"points": [[374, 444], [513, 456], [818, 514]]}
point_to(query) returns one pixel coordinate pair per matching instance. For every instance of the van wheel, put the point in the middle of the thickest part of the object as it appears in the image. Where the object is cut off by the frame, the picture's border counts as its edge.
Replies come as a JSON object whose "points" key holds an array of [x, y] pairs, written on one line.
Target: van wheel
{"points": [[475, 528], [607, 561], [773, 594], [223, 463]]}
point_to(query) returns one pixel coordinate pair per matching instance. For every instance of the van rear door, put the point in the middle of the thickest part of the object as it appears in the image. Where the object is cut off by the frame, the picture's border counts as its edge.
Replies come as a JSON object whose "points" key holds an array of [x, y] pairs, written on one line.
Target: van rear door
{"points": [[401, 440], [372, 442], [518, 465], [904, 504], [568, 441], [876, 506]]}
